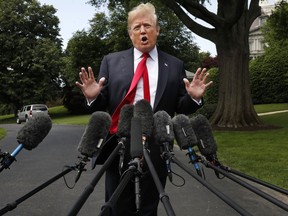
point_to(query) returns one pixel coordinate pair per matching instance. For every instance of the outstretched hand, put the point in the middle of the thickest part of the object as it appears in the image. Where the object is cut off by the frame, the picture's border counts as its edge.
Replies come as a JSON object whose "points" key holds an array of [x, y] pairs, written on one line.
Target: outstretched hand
{"points": [[198, 86], [89, 87]]}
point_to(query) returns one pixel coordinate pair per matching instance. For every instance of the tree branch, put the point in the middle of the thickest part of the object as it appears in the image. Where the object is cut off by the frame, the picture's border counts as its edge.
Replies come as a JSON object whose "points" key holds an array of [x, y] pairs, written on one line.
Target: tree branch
{"points": [[199, 11], [254, 12], [231, 11], [205, 32]]}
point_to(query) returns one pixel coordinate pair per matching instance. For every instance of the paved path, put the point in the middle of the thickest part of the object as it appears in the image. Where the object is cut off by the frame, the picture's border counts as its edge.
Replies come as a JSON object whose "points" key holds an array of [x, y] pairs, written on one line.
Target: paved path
{"points": [[59, 148], [274, 112]]}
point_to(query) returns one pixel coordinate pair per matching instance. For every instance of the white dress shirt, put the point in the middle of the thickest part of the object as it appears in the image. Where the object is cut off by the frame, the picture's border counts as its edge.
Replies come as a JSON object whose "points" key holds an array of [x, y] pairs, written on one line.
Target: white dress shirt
{"points": [[152, 66]]}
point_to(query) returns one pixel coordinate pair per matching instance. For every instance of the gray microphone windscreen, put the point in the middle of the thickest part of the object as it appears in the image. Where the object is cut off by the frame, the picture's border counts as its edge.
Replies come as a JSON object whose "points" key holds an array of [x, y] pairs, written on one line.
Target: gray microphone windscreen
{"points": [[95, 133], [183, 131], [34, 131], [163, 128], [124, 125], [203, 131], [143, 110], [136, 147]]}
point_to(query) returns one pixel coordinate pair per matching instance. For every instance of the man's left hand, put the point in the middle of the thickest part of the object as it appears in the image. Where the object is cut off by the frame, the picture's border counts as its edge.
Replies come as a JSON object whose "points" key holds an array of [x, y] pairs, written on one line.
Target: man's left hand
{"points": [[198, 86]]}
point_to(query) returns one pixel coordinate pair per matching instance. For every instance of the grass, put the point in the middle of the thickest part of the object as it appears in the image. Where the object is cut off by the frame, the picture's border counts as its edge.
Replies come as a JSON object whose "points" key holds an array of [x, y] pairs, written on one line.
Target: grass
{"points": [[262, 154], [261, 108]]}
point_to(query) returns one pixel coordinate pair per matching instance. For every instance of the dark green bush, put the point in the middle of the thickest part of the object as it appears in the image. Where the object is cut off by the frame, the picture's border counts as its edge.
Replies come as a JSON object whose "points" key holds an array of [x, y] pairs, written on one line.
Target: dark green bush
{"points": [[269, 80]]}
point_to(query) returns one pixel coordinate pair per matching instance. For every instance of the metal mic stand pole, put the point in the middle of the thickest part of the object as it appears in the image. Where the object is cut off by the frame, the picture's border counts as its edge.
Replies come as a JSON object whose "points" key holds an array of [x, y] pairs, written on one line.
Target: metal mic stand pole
{"points": [[163, 196], [214, 190], [132, 171], [90, 188], [13, 205], [246, 185], [266, 184]]}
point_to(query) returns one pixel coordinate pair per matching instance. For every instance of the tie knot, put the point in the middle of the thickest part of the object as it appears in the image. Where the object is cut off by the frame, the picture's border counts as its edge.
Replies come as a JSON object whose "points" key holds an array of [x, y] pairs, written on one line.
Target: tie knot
{"points": [[145, 55]]}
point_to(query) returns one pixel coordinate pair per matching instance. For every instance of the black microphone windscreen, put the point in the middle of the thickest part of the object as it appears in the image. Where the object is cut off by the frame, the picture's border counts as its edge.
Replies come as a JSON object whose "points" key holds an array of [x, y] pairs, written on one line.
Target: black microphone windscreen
{"points": [[124, 125], [143, 110], [34, 131], [184, 133], [95, 133], [203, 131], [136, 148], [163, 128]]}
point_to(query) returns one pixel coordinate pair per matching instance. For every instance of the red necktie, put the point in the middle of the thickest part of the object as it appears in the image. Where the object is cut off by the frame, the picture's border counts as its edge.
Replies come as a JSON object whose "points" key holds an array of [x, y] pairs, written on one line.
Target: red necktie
{"points": [[141, 70]]}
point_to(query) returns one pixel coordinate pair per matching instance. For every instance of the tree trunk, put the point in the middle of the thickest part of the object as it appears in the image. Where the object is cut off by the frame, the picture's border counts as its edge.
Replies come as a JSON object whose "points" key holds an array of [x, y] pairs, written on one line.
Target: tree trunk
{"points": [[235, 108]]}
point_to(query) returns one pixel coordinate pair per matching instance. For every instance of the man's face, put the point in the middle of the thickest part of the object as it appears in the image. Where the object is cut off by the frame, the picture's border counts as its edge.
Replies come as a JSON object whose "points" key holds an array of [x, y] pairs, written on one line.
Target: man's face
{"points": [[143, 33]]}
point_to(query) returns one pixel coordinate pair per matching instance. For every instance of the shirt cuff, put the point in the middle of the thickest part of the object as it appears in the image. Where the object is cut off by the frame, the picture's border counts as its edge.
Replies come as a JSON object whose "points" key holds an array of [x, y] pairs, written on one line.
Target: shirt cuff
{"points": [[197, 102], [89, 102]]}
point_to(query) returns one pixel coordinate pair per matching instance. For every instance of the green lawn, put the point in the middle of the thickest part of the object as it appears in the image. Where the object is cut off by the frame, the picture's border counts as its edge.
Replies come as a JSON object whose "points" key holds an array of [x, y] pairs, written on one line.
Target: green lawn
{"points": [[262, 154]]}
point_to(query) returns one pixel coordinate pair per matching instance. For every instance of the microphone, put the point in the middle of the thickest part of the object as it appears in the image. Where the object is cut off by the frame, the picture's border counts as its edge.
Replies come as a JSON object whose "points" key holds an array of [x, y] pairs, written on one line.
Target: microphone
{"points": [[186, 138], [136, 151], [124, 125], [143, 110], [93, 138], [206, 142], [123, 132], [164, 136], [28, 137]]}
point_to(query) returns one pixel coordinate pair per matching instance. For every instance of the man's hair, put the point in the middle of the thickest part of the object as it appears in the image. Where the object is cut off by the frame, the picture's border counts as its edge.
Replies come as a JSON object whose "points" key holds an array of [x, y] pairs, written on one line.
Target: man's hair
{"points": [[140, 10]]}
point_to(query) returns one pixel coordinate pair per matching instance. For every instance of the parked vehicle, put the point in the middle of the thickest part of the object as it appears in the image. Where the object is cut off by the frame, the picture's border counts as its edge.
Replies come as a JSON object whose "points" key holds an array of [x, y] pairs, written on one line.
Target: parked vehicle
{"points": [[28, 111]]}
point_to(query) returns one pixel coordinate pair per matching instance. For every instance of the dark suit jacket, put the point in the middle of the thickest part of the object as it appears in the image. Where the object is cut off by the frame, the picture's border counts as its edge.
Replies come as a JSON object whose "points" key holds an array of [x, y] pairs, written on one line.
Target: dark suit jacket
{"points": [[171, 95]]}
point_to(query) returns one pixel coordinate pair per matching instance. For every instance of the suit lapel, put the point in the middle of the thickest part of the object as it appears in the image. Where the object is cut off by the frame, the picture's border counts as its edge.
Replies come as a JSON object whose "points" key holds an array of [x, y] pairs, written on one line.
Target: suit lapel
{"points": [[162, 77], [127, 67]]}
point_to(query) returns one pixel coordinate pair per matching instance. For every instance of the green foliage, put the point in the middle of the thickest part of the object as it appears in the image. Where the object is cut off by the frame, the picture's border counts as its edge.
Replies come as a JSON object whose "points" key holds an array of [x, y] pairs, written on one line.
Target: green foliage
{"points": [[30, 57], [108, 33], [276, 28], [269, 75], [2, 133], [172, 31], [211, 96]]}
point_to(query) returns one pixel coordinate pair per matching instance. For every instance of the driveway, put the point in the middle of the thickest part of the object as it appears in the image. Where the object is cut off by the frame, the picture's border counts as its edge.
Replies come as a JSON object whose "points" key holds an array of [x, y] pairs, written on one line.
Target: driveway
{"points": [[59, 149]]}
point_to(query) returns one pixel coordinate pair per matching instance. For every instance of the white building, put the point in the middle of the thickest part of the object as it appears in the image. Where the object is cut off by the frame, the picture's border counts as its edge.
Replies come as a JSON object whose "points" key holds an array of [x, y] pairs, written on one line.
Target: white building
{"points": [[256, 44]]}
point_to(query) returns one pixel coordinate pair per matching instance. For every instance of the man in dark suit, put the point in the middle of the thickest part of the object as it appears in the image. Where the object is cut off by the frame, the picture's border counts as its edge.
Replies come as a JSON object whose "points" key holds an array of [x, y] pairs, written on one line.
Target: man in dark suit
{"points": [[169, 91]]}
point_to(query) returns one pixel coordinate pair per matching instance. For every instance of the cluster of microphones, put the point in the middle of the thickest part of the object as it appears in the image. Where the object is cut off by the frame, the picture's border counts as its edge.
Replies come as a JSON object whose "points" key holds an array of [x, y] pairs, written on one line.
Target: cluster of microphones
{"points": [[138, 128]]}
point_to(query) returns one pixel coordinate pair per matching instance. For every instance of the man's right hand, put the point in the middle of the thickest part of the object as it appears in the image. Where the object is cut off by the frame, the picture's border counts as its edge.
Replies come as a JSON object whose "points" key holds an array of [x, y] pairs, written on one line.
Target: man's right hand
{"points": [[89, 87]]}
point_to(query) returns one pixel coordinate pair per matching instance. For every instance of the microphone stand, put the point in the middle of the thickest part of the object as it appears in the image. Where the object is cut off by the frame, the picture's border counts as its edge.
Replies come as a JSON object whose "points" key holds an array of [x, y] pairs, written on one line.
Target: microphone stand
{"points": [[194, 158], [6, 160], [246, 185], [243, 175], [163, 196], [166, 156], [90, 188], [134, 170], [214, 190], [10, 206]]}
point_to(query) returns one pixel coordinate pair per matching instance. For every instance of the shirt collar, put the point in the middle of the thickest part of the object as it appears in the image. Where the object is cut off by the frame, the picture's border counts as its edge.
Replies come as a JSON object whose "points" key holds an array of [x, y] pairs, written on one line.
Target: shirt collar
{"points": [[153, 53]]}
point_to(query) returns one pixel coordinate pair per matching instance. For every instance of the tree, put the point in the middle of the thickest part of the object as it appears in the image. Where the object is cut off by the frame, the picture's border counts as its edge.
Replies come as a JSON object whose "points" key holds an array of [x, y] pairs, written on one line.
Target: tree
{"points": [[275, 29], [108, 33], [172, 31], [30, 57], [269, 73], [229, 32]]}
